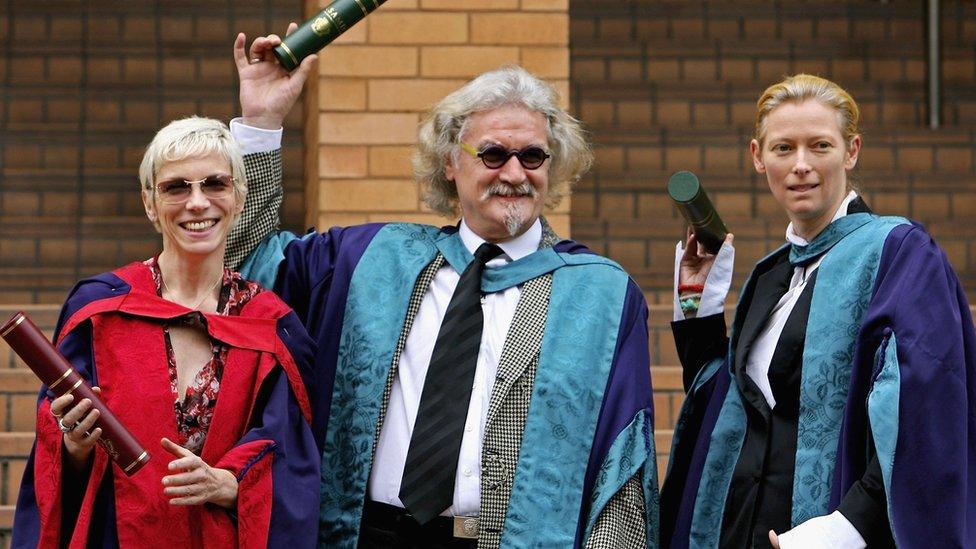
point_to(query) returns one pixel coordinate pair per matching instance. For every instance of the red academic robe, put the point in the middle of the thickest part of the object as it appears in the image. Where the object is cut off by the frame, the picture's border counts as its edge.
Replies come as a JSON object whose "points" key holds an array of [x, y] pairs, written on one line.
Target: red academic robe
{"points": [[260, 429]]}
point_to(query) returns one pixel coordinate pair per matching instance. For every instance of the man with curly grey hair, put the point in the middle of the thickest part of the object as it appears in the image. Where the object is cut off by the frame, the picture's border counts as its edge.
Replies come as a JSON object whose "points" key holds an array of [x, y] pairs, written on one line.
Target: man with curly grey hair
{"points": [[485, 384], [509, 94]]}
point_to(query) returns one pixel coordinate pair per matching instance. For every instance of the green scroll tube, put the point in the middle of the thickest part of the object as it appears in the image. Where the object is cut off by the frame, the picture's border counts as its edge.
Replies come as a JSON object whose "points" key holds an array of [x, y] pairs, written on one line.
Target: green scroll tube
{"points": [[323, 28], [689, 196]]}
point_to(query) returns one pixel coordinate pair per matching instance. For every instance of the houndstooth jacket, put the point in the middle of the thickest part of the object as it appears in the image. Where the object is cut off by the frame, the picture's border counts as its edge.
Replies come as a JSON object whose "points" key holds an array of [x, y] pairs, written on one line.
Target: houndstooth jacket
{"points": [[621, 524]]}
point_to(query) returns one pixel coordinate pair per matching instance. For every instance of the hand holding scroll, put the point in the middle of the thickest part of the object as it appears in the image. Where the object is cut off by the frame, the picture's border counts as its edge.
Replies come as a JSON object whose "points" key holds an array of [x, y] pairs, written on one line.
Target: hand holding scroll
{"points": [[61, 379], [268, 92], [80, 437], [696, 262]]}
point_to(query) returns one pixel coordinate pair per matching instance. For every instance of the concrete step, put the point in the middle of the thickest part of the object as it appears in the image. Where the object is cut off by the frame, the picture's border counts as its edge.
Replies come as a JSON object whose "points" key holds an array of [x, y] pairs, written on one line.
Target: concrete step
{"points": [[666, 378], [44, 316], [20, 380], [662, 441], [14, 448], [18, 400], [6, 523], [16, 445]]}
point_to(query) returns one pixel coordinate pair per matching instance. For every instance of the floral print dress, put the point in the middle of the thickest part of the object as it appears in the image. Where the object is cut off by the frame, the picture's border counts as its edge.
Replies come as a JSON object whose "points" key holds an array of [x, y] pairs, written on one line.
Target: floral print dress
{"points": [[195, 410]]}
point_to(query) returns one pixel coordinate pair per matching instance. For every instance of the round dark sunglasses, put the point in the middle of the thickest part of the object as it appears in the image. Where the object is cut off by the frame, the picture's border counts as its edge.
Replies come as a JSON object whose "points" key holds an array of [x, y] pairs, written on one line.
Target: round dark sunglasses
{"points": [[496, 156]]}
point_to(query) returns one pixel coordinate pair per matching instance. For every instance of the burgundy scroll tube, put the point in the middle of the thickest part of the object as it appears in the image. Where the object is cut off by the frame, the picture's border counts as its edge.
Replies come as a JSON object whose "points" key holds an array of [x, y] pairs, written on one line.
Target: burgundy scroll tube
{"points": [[54, 371]]}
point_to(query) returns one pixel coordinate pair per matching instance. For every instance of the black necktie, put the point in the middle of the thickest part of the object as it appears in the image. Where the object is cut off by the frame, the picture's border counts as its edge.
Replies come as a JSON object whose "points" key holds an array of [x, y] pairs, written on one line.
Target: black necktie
{"points": [[427, 487]]}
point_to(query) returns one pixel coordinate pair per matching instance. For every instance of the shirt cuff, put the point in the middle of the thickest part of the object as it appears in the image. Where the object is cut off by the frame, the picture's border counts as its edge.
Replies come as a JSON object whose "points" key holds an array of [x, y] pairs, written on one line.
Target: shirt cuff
{"points": [[831, 531], [254, 140], [717, 284]]}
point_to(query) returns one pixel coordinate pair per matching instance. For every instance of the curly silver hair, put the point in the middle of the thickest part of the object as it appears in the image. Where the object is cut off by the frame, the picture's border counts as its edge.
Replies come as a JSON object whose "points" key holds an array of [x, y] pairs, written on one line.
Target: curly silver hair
{"points": [[445, 124]]}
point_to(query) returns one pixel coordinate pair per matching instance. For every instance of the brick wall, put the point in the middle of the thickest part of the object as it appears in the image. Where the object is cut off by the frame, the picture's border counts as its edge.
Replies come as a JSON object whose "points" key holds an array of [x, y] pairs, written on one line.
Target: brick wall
{"points": [[85, 86], [377, 80], [17, 415], [662, 86], [667, 86]]}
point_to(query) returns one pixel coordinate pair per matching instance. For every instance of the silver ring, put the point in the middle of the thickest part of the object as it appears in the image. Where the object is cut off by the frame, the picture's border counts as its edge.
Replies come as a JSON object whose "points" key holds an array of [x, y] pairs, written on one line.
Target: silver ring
{"points": [[256, 60], [64, 428]]}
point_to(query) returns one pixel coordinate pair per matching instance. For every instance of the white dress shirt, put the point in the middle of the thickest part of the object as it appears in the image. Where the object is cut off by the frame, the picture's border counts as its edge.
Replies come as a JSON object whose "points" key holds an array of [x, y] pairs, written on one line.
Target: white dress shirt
{"points": [[394, 440], [498, 309], [761, 354]]}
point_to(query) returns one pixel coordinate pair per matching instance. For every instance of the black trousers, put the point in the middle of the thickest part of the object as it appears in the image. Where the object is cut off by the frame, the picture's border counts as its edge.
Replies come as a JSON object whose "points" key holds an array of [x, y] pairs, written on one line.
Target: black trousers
{"points": [[389, 527]]}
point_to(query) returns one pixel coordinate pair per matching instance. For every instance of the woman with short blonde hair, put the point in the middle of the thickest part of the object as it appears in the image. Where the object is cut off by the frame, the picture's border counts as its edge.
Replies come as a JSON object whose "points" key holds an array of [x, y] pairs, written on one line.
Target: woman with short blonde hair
{"points": [[202, 366]]}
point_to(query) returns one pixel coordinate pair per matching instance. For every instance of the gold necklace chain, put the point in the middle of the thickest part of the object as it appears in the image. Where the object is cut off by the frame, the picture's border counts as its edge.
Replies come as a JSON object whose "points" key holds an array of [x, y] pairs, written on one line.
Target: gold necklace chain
{"points": [[206, 293]]}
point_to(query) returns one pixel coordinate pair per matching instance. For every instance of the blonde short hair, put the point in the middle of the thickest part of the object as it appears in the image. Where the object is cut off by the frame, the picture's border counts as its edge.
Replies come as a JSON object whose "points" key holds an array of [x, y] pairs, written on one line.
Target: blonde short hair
{"points": [[799, 88], [191, 138], [444, 125]]}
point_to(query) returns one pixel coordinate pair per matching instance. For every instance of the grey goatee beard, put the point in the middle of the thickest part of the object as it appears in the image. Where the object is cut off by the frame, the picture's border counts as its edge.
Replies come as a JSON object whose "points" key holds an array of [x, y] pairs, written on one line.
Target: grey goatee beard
{"points": [[514, 217], [515, 213]]}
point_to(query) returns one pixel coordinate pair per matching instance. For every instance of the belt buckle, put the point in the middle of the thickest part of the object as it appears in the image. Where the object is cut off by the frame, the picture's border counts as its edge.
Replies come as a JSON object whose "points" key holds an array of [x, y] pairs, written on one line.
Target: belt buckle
{"points": [[466, 527]]}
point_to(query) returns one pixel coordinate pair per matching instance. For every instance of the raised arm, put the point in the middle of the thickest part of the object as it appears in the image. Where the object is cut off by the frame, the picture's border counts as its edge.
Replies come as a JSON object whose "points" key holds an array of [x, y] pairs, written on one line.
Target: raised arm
{"points": [[702, 283], [267, 93]]}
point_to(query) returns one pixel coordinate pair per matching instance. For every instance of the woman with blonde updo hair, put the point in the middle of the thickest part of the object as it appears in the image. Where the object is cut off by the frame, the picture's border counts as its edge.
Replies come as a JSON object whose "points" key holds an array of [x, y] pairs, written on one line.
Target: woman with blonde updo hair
{"points": [[839, 409]]}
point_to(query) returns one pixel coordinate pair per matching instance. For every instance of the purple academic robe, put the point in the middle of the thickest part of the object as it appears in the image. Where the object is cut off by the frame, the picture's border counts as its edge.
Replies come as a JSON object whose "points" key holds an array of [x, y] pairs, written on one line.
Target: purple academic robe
{"points": [[908, 388]]}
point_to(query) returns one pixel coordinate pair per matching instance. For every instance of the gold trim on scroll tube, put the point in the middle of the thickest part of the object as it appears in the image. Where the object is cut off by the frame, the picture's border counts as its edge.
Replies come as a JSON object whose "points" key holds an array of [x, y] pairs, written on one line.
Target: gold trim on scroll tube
{"points": [[362, 7], [290, 54], [14, 325], [138, 460], [63, 377]]}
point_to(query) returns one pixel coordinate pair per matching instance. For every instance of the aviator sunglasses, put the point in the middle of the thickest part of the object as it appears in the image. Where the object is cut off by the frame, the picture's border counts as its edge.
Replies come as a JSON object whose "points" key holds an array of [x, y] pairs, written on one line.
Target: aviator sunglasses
{"points": [[178, 191], [495, 156]]}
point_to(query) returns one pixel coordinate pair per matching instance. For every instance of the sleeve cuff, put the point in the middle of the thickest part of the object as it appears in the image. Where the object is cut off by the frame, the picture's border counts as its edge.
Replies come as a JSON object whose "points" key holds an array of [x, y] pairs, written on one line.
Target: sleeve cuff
{"points": [[831, 531], [255, 140], [698, 340], [717, 284], [865, 506]]}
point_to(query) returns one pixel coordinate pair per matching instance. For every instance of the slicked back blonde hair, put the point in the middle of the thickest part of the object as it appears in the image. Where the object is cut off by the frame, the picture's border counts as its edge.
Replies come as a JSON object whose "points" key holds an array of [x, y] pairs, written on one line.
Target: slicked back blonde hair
{"points": [[801, 87], [445, 124], [193, 137]]}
